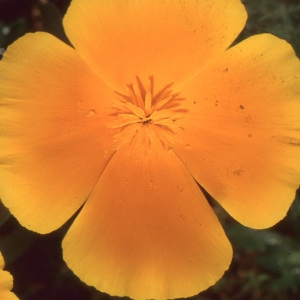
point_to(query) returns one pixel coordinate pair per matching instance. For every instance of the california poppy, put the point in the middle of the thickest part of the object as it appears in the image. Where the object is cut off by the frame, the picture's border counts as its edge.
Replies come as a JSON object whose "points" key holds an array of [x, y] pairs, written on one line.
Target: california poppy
{"points": [[6, 283], [150, 100]]}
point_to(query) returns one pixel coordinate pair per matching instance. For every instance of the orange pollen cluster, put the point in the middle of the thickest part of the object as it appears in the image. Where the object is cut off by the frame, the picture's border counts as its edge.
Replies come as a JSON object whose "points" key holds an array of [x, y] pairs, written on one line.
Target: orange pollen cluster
{"points": [[160, 112]]}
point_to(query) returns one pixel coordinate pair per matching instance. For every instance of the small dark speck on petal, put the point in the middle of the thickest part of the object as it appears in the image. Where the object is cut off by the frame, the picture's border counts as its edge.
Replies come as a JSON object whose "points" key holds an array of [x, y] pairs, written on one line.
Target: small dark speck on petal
{"points": [[238, 172]]}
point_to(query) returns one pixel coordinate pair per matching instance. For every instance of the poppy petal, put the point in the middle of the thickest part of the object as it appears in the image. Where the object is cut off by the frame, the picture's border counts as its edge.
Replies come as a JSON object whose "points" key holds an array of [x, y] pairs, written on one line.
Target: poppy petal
{"points": [[153, 234], [52, 115], [167, 39], [6, 283], [242, 137]]}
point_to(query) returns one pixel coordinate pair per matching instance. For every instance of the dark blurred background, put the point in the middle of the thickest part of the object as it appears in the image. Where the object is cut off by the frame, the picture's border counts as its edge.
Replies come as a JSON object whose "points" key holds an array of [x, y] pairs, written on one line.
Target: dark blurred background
{"points": [[266, 263]]}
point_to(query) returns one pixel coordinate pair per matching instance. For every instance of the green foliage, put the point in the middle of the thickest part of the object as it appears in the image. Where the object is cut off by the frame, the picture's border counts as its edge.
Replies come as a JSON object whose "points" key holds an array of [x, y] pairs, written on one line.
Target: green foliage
{"points": [[278, 17], [266, 263], [276, 256], [12, 31]]}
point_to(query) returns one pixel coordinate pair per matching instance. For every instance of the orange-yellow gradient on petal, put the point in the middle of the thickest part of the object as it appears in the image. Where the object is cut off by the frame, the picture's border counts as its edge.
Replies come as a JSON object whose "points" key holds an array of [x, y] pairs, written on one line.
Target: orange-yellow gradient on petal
{"points": [[49, 99], [6, 283], [149, 103], [153, 227], [123, 39], [244, 137]]}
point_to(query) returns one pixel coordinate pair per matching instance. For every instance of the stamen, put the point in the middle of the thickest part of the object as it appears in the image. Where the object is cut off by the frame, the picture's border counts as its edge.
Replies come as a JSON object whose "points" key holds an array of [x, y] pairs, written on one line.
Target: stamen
{"points": [[148, 98], [161, 113]]}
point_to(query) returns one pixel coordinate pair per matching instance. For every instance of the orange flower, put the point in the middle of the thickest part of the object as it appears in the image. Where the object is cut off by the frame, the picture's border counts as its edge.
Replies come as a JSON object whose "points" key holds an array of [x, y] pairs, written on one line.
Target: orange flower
{"points": [[149, 101], [6, 283]]}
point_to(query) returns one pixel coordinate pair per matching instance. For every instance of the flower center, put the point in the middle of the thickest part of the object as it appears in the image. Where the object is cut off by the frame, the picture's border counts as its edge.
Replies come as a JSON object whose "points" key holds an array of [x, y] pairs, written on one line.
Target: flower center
{"points": [[141, 108]]}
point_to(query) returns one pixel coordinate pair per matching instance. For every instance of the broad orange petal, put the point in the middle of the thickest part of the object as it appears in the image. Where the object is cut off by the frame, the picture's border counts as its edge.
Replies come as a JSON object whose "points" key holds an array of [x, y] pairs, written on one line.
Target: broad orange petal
{"points": [[168, 39], [242, 137], [54, 143], [6, 283], [147, 231]]}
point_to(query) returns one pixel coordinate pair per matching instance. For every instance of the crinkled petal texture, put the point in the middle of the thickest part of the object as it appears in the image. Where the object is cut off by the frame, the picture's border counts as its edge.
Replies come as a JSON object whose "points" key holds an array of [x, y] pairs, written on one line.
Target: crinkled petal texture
{"points": [[153, 234], [168, 39], [54, 142], [242, 139], [6, 283]]}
